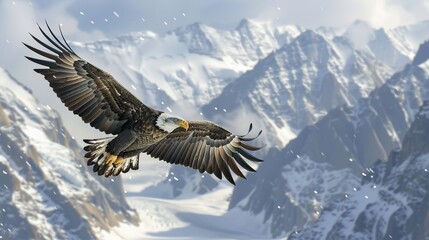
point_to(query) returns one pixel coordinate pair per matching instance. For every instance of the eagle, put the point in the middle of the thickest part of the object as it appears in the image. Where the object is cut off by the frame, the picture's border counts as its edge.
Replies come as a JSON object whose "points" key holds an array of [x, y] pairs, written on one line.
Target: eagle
{"points": [[106, 105]]}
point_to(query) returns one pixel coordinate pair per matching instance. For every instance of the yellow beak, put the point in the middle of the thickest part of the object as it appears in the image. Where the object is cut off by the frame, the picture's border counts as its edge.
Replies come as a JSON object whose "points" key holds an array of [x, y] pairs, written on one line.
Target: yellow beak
{"points": [[184, 124]]}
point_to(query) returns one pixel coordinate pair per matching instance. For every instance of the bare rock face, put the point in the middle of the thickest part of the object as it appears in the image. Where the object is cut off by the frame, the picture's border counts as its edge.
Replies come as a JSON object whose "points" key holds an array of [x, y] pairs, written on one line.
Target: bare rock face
{"points": [[47, 191], [422, 54]]}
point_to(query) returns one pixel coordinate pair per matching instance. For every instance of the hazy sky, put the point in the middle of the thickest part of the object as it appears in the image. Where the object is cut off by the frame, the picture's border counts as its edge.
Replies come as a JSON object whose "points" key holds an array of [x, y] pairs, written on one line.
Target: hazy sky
{"points": [[114, 17], [95, 19]]}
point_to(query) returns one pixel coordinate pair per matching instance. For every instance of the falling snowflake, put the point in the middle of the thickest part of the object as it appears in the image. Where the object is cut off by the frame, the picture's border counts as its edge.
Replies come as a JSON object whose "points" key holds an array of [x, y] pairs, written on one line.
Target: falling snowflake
{"points": [[81, 13], [184, 14], [116, 14]]}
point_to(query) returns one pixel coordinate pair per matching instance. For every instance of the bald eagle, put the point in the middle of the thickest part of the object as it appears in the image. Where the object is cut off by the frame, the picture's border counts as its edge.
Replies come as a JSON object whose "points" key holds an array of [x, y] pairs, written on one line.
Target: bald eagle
{"points": [[106, 105]]}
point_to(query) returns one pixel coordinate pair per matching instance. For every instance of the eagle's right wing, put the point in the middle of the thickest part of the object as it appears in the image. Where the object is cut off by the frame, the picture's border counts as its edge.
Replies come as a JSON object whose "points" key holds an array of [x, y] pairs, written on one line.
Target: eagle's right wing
{"points": [[207, 147], [86, 90]]}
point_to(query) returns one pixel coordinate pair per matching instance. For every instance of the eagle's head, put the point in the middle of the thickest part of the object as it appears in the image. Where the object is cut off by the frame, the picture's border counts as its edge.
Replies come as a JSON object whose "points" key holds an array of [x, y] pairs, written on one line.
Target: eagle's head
{"points": [[168, 122]]}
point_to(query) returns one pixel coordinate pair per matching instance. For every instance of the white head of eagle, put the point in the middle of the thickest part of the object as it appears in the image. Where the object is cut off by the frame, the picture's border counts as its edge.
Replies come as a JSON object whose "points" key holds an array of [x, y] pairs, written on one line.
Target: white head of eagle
{"points": [[168, 122]]}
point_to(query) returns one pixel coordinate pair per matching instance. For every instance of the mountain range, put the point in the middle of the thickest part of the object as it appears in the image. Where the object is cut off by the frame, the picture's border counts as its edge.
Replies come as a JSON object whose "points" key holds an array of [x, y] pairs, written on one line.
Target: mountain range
{"points": [[325, 162], [333, 106]]}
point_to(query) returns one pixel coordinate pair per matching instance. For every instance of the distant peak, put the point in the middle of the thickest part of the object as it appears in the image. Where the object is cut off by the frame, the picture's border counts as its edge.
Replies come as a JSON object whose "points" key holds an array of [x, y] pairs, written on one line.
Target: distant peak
{"points": [[422, 54], [244, 23], [360, 22], [196, 25], [309, 35]]}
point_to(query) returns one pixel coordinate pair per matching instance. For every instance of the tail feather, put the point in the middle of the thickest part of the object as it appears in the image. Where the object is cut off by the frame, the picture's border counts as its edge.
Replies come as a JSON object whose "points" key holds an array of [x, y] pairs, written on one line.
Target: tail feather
{"points": [[105, 163]]}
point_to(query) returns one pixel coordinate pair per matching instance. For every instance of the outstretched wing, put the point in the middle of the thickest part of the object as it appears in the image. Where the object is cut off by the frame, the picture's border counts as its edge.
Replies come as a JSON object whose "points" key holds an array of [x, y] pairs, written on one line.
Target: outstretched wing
{"points": [[207, 147], [86, 90]]}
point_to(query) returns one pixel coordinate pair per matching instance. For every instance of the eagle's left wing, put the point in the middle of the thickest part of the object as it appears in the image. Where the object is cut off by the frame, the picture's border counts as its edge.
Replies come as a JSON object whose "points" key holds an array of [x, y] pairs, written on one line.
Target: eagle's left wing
{"points": [[86, 90], [207, 147]]}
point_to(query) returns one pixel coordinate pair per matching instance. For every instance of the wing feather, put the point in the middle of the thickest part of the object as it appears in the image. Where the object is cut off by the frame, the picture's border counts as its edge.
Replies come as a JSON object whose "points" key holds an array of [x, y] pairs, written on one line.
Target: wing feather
{"points": [[206, 147], [86, 90]]}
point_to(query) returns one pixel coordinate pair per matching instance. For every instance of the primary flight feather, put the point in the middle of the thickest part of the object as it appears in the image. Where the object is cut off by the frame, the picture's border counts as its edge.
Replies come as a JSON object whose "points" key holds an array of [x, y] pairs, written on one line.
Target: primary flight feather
{"points": [[106, 105]]}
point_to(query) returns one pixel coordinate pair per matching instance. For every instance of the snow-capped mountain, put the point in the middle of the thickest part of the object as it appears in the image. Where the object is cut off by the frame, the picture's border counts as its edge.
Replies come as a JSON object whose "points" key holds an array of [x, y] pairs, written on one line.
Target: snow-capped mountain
{"points": [[394, 47], [343, 145], [392, 201], [298, 84], [289, 89], [190, 64], [282, 80], [47, 191]]}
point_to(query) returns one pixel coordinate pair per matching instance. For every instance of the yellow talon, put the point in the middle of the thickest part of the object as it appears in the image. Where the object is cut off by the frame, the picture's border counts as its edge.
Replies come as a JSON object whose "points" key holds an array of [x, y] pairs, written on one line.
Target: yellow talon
{"points": [[119, 161], [111, 159]]}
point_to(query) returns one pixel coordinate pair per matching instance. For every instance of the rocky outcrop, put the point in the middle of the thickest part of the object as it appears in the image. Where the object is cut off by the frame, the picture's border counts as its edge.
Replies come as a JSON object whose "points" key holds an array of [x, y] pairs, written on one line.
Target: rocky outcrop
{"points": [[47, 191], [392, 201]]}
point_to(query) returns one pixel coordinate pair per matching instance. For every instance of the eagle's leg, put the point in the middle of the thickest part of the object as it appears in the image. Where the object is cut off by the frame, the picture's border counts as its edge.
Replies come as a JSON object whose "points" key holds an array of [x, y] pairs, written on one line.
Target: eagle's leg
{"points": [[107, 154]]}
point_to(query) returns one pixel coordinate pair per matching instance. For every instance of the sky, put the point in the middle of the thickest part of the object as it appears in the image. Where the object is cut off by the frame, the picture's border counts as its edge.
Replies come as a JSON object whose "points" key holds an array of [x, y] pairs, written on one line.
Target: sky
{"points": [[100, 19]]}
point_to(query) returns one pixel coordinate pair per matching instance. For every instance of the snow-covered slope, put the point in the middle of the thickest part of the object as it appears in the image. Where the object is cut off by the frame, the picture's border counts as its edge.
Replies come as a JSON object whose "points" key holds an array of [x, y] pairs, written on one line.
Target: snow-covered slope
{"points": [[191, 64], [344, 143], [47, 191], [391, 203]]}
